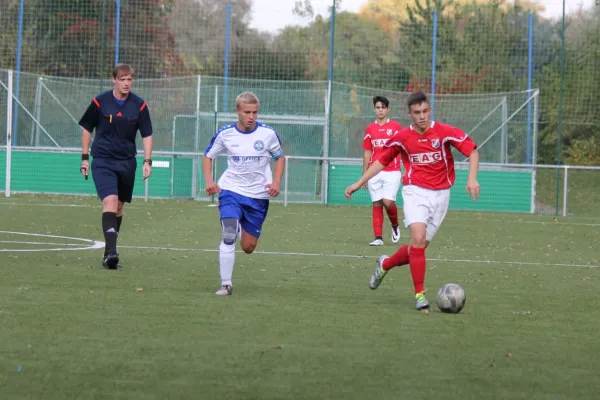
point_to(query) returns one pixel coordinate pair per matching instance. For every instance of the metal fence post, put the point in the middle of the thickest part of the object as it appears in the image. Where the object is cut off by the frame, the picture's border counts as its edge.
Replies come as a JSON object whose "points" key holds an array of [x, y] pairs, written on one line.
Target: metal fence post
{"points": [[433, 61], [565, 190], [285, 182], [117, 31], [9, 108]]}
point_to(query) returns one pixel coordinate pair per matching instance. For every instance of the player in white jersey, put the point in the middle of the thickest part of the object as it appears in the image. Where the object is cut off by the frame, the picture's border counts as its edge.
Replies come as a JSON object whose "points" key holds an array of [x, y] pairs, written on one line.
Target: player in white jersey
{"points": [[245, 186]]}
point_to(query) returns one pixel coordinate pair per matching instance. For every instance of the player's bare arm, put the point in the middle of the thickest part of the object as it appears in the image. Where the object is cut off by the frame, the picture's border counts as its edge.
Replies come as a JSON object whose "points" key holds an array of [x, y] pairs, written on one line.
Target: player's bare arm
{"points": [[274, 188], [211, 186], [373, 170], [366, 160], [86, 138], [472, 185], [147, 168]]}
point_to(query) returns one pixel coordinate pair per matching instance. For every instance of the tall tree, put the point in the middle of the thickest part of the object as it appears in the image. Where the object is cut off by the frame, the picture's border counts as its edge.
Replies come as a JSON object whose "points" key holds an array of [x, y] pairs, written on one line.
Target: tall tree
{"points": [[147, 39], [8, 34], [200, 33], [581, 84], [362, 51], [391, 14], [77, 38]]}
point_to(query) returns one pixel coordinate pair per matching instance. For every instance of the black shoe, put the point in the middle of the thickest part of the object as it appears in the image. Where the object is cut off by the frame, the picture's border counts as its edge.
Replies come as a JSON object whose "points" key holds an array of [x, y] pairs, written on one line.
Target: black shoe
{"points": [[111, 261]]}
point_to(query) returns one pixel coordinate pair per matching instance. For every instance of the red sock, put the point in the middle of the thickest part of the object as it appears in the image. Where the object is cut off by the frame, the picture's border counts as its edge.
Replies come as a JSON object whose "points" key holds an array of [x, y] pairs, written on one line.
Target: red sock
{"points": [[397, 259], [417, 267], [378, 221], [392, 213]]}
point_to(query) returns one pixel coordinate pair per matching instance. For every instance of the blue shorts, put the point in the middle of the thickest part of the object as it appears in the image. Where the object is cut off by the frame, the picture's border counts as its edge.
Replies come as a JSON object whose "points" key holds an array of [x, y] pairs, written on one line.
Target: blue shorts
{"points": [[249, 211], [114, 177]]}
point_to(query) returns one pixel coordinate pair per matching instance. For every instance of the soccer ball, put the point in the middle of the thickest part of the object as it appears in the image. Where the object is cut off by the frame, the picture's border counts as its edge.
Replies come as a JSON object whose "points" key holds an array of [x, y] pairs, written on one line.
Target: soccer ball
{"points": [[451, 298]]}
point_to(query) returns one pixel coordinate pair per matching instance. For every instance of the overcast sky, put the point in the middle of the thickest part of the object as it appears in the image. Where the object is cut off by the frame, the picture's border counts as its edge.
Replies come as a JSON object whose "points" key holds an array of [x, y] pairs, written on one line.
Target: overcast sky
{"points": [[272, 15]]}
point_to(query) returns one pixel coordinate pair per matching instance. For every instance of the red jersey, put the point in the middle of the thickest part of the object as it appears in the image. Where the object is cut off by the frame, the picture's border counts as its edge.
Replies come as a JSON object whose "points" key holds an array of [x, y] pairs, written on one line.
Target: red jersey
{"points": [[427, 157], [376, 136]]}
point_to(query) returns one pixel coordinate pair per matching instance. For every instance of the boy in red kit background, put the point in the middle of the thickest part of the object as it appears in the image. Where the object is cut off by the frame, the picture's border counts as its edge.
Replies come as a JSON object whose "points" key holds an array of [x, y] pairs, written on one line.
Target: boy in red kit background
{"points": [[426, 154], [384, 186]]}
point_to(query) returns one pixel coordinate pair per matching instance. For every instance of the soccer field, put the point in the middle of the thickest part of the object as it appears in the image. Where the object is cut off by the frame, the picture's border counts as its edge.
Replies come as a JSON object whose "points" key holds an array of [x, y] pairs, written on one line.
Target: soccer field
{"points": [[302, 322]]}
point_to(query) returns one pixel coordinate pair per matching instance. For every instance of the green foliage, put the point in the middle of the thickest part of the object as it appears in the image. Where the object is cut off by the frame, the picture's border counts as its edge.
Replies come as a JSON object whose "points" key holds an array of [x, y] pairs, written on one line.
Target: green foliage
{"points": [[311, 42], [479, 47], [581, 85], [67, 36], [362, 52], [584, 151], [258, 63], [8, 35], [147, 39]]}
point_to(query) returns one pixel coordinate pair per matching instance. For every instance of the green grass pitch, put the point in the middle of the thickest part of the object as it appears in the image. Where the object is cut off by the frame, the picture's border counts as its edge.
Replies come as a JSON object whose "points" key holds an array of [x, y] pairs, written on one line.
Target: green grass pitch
{"points": [[302, 322]]}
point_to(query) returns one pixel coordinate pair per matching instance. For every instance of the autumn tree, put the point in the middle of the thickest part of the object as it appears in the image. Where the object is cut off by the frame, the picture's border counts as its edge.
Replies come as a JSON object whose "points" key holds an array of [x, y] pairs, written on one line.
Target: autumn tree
{"points": [[580, 135]]}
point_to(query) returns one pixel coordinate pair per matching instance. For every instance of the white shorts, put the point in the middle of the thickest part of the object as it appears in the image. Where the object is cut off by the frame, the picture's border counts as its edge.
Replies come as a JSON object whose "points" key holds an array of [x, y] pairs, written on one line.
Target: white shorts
{"points": [[384, 185], [426, 206]]}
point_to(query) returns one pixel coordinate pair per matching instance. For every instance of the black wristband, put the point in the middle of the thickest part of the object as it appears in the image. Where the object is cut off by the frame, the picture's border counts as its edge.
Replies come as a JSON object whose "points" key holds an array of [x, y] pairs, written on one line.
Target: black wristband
{"points": [[149, 161], [85, 157]]}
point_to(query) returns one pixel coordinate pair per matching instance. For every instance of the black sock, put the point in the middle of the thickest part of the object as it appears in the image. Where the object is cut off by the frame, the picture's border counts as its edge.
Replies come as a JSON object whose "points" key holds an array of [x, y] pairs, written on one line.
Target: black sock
{"points": [[109, 228], [119, 220]]}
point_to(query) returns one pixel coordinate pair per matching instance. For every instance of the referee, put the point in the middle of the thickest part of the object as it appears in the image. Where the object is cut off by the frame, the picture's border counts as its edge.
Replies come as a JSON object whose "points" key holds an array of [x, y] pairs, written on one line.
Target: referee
{"points": [[116, 115]]}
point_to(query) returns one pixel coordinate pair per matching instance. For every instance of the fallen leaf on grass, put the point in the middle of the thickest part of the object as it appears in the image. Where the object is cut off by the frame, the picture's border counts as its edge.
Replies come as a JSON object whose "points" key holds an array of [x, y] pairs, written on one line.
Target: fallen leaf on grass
{"points": [[276, 347], [139, 289]]}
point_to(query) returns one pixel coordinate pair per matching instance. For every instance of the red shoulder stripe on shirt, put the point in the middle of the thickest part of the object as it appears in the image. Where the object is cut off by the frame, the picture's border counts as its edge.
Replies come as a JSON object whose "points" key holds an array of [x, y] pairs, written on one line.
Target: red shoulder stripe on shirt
{"points": [[143, 106], [96, 102]]}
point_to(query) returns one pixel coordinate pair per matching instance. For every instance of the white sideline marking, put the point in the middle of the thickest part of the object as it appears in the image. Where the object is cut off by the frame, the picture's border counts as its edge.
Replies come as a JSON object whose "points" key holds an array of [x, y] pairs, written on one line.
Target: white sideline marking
{"points": [[92, 243], [45, 205], [98, 245], [40, 243], [283, 253]]}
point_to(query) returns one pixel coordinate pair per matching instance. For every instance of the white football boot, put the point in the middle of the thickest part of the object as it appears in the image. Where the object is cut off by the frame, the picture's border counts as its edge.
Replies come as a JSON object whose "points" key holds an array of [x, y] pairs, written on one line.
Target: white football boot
{"points": [[376, 242], [396, 234]]}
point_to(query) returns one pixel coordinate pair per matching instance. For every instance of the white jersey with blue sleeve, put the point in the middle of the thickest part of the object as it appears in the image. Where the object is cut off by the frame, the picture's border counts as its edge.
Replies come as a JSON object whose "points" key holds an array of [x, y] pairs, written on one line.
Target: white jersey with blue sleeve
{"points": [[248, 158]]}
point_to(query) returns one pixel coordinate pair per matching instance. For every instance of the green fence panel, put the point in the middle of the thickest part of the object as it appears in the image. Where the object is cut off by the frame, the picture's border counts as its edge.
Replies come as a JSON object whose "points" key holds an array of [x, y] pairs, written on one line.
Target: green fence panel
{"points": [[500, 190]]}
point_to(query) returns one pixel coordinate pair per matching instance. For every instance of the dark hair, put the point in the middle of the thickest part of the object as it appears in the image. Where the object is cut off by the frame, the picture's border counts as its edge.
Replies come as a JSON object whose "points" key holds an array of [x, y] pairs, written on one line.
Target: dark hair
{"points": [[382, 100], [416, 99], [122, 70]]}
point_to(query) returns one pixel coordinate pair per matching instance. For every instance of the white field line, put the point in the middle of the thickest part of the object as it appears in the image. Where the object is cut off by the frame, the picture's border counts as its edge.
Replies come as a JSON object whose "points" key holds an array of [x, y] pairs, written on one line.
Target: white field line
{"points": [[299, 254], [97, 245], [40, 243], [86, 244]]}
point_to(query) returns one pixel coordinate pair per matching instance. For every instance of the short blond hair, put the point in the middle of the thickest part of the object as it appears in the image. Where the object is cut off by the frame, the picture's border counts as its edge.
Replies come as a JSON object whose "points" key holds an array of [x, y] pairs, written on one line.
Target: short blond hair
{"points": [[246, 98], [122, 70]]}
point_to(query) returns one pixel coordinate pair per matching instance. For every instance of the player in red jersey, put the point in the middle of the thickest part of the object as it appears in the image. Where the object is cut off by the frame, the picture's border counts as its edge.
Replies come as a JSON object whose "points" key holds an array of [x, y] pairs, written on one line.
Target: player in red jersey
{"points": [[426, 154], [384, 186]]}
